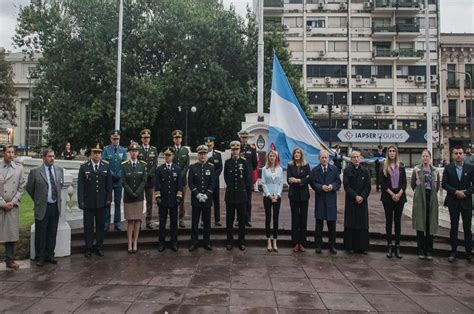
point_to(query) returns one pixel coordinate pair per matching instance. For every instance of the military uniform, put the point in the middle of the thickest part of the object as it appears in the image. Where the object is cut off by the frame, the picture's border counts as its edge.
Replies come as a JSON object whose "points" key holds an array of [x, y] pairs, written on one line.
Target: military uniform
{"points": [[201, 180], [168, 194], [115, 155], [181, 158], [238, 180], [215, 158], [94, 195], [134, 178], [149, 155], [249, 152]]}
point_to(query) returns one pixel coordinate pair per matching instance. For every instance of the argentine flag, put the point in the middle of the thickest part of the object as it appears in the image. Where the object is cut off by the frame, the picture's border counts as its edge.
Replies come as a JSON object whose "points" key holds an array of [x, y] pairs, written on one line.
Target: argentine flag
{"points": [[289, 127]]}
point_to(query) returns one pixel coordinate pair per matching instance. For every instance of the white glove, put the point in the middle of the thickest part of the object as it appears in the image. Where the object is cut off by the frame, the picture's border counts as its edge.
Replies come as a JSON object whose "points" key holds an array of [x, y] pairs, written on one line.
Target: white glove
{"points": [[200, 197], [204, 197]]}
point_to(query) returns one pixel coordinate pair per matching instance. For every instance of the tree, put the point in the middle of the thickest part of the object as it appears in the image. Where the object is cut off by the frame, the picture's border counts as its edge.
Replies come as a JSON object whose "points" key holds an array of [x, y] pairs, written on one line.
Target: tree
{"points": [[7, 91]]}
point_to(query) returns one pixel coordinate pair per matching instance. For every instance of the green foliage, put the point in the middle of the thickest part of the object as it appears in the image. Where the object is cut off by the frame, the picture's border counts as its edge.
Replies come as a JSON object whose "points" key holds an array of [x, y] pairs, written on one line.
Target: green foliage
{"points": [[7, 91]]}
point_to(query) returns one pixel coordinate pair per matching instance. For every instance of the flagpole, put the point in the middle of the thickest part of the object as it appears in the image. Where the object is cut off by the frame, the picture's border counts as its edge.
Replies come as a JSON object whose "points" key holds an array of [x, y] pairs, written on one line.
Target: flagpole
{"points": [[119, 68], [260, 60]]}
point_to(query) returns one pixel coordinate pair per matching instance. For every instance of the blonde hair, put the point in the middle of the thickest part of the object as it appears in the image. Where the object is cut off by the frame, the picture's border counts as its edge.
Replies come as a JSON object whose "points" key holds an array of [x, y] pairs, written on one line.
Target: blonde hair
{"points": [[276, 163], [302, 161], [386, 165]]}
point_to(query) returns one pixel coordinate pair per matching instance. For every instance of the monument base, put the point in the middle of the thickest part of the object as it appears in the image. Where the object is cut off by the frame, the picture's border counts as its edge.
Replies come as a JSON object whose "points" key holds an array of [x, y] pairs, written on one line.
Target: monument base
{"points": [[63, 241]]}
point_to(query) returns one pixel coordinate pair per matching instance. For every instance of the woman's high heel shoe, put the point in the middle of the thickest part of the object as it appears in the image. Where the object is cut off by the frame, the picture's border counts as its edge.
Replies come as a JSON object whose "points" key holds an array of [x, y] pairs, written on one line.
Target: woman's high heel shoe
{"points": [[269, 245], [275, 247]]}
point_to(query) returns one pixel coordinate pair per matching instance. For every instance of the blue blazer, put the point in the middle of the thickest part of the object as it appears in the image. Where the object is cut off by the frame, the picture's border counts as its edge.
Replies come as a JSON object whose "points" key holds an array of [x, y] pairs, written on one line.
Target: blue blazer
{"points": [[272, 186], [326, 202]]}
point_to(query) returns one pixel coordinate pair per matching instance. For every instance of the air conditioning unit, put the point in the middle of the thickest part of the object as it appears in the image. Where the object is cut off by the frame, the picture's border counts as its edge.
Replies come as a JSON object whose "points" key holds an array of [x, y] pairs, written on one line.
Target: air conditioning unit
{"points": [[343, 81], [344, 108], [433, 79], [327, 80], [285, 27], [309, 28], [322, 53], [411, 78], [387, 109], [378, 108], [342, 6], [419, 79], [373, 80], [367, 4], [315, 108], [358, 78]]}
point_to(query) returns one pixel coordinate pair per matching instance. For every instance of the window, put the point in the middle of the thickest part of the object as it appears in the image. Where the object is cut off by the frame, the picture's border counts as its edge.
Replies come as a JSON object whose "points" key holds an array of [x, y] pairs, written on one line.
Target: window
{"points": [[324, 98], [363, 70], [337, 46], [296, 1], [367, 71], [469, 108], [411, 99], [360, 22], [36, 118], [433, 46], [326, 70], [271, 23], [469, 69], [405, 70], [315, 46], [337, 22], [411, 124], [452, 75], [421, 22], [295, 45], [452, 109], [293, 21], [382, 22], [336, 124], [360, 46], [317, 23], [371, 98], [35, 138]]}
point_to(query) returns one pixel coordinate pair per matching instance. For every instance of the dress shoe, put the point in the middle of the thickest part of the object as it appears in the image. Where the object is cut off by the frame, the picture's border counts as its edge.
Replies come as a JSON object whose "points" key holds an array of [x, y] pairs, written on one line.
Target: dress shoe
{"points": [[242, 247], [236, 224], [364, 253], [228, 247], [397, 252], [296, 248], [174, 248], [135, 251], [12, 265], [52, 261], [201, 224], [181, 224], [275, 247], [192, 248], [428, 256], [130, 252], [422, 256], [218, 224], [301, 248], [452, 257], [40, 263], [333, 251], [350, 252], [318, 250], [99, 252], [208, 247], [248, 224], [389, 250], [117, 228], [161, 248], [106, 227], [88, 254], [149, 226]]}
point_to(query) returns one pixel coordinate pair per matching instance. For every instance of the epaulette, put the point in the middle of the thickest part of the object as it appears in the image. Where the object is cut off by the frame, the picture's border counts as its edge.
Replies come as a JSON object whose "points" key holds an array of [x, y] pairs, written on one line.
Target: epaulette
{"points": [[253, 146], [124, 162], [242, 157], [143, 162], [217, 151], [105, 161], [210, 163], [85, 162]]}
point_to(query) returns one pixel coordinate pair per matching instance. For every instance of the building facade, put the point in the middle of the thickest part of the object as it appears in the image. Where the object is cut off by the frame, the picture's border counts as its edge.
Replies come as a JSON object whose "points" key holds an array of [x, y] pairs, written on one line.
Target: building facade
{"points": [[23, 79], [364, 67], [457, 59]]}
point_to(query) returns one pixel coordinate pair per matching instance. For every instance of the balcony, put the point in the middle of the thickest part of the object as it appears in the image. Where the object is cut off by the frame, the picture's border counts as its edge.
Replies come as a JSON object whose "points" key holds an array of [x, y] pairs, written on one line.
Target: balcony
{"points": [[456, 121], [452, 84], [384, 5], [410, 54], [408, 30], [273, 6], [382, 31], [408, 5], [384, 54]]}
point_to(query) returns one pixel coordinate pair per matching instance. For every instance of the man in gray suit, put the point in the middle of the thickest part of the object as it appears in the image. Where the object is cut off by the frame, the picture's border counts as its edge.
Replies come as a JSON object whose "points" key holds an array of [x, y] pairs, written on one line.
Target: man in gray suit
{"points": [[44, 186]]}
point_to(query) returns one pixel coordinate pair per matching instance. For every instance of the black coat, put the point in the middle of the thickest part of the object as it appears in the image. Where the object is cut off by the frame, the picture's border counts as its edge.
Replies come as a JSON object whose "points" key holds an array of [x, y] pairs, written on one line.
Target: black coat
{"points": [[238, 178], [451, 183], [201, 179], [386, 183], [325, 204], [249, 152], [356, 183], [298, 192], [94, 190], [216, 161], [168, 185], [133, 181]]}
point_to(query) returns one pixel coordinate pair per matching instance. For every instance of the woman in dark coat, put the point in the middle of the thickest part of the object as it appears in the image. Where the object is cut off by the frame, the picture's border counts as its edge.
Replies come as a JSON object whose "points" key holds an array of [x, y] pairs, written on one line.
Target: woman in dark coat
{"points": [[356, 212], [393, 180], [298, 177]]}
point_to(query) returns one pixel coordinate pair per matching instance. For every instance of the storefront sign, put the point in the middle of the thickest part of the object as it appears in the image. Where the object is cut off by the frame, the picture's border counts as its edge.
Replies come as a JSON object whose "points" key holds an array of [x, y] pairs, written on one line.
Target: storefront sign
{"points": [[373, 136]]}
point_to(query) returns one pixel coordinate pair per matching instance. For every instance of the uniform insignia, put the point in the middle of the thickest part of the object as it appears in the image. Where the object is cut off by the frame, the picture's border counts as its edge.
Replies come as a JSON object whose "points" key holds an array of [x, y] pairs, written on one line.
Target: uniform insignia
{"points": [[120, 155], [124, 162], [143, 162], [105, 162], [241, 167], [87, 172], [208, 172], [175, 174]]}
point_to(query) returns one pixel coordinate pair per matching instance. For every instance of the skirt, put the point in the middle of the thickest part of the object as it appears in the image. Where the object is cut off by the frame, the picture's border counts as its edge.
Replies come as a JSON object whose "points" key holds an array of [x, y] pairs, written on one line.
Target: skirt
{"points": [[133, 211]]}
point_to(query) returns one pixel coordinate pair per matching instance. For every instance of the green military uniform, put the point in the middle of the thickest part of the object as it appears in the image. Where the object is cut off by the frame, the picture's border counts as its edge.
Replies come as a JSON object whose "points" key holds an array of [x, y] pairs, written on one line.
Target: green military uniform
{"points": [[181, 159], [133, 181]]}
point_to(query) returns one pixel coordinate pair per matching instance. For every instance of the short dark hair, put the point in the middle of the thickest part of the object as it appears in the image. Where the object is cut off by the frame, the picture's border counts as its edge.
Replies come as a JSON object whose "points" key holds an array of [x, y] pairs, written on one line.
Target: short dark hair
{"points": [[46, 151], [458, 147], [7, 147]]}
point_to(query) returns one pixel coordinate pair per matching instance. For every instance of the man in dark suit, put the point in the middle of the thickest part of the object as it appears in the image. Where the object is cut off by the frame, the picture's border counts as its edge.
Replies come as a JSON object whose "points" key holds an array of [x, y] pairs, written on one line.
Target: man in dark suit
{"points": [[325, 181], [458, 181], [44, 186], [249, 152], [181, 159], [94, 195], [214, 157], [168, 195]]}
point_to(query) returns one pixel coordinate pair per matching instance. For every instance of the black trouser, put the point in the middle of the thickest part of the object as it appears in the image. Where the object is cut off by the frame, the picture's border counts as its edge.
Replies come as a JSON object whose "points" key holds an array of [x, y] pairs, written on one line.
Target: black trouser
{"points": [[425, 239], [268, 204], [318, 237], [377, 177], [231, 208], [163, 213], [206, 219], [9, 251], [90, 216], [466, 214], [299, 218], [45, 233], [149, 192], [216, 201], [393, 214], [248, 207]]}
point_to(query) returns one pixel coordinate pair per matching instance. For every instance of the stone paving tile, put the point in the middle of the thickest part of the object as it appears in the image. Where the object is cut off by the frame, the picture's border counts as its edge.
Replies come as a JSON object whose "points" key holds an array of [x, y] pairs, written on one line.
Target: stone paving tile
{"points": [[20, 275], [323, 271], [391, 303], [455, 289], [152, 307], [103, 306], [286, 271], [54, 275], [163, 295], [281, 261], [345, 302], [435, 275], [214, 269], [15, 304], [302, 311], [133, 276], [374, 286], [298, 300], [251, 283], [206, 296], [169, 269], [254, 298], [5, 286], [118, 293], [75, 290], [47, 305], [212, 281], [417, 288], [290, 284], [398, 274], [33, 289], [467, 301], [249, 271], [253, 310], [202, 309], [249, 260], [93, 277], [353, 272], [169, 280], [333, 285], [216, 260], [440, 304]]}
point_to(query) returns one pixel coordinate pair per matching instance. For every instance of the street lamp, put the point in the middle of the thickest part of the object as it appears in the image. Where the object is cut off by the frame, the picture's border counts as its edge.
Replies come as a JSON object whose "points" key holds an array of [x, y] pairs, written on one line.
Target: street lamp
{"points": [[330, 110], [28, 119], [471, 103], [193, 110]]}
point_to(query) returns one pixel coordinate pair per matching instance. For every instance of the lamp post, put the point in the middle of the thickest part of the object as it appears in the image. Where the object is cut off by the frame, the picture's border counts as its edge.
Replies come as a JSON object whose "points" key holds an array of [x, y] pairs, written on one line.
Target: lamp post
{"points": [[119, 68], [28, 119], [330, 109], [193, 110]]}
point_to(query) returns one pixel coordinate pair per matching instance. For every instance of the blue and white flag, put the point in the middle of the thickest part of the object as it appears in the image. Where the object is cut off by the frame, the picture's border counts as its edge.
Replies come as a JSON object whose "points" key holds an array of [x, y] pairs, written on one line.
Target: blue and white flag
{"points": [[289, 127]]}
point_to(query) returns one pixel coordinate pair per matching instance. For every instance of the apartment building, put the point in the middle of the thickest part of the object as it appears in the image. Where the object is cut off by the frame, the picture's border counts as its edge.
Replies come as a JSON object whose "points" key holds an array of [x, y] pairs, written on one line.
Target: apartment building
{"points": [[364, 67]]}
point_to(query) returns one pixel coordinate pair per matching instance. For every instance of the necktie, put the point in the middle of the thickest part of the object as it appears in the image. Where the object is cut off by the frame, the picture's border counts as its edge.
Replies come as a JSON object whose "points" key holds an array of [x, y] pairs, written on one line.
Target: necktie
{"points": [[134, 165], [54, 191], [96, 168], [115, 149], [169, 167]]}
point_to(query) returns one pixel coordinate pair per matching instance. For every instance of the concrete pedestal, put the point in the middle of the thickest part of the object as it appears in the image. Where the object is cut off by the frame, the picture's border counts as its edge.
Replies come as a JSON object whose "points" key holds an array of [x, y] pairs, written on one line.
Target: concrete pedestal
{"points": [[63, 240]]}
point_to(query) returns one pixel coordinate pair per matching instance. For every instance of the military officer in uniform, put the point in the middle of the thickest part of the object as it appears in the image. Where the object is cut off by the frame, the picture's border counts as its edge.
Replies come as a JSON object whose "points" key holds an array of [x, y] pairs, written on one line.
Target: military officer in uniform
{"points": [[115, 154], [181, 159], [249, 152], [238, 180], [201, 180], [94, 195], [148, 154], [168, 195], [214, 157]]}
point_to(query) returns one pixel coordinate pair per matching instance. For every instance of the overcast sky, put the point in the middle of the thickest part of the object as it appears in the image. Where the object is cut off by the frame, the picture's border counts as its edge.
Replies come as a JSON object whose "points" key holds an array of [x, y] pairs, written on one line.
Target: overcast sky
{"points": [[457, 16]]}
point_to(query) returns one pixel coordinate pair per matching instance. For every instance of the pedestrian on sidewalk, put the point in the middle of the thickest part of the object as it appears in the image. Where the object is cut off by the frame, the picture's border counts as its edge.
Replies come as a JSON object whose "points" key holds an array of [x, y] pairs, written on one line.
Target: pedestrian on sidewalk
{"points": [[272, 185], [94, 195], [298, 178], [356, 212], [325, 181], [425, 183], [393, 181], [458, 181], [11, 177]]}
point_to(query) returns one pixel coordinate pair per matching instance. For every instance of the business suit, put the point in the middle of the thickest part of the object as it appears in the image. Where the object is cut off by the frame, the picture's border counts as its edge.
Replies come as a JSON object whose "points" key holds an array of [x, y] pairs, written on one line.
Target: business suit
{"points": [[249, 152], [46, 208], [298, 193], [459, 207]]}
